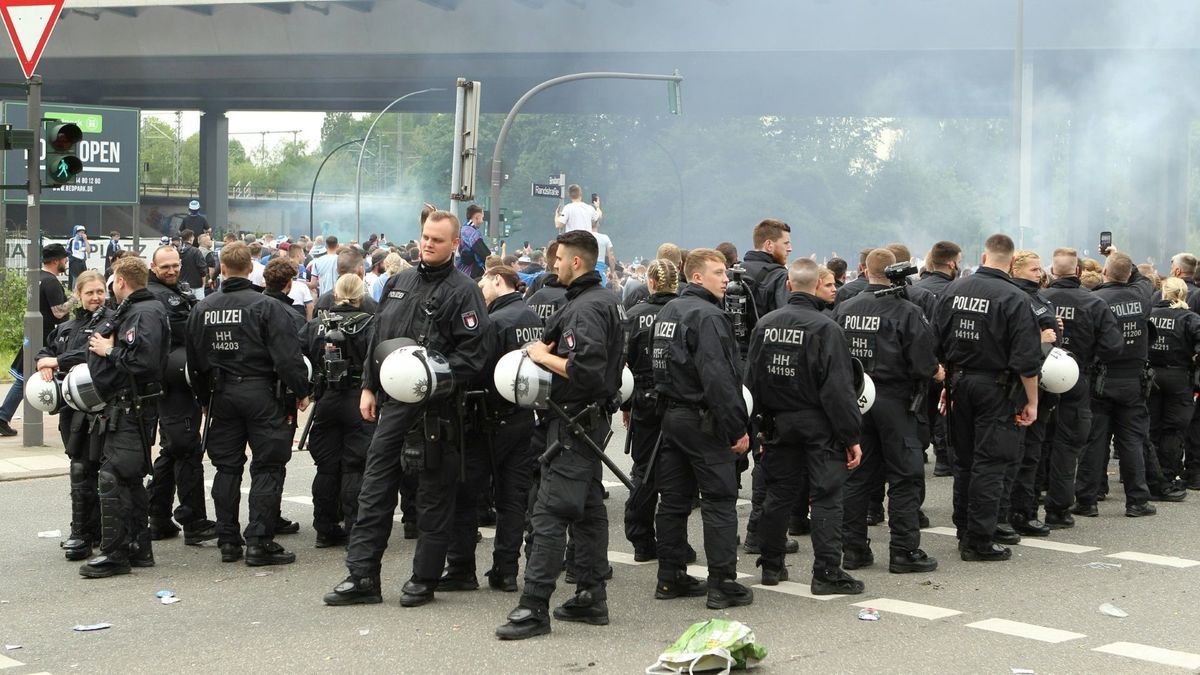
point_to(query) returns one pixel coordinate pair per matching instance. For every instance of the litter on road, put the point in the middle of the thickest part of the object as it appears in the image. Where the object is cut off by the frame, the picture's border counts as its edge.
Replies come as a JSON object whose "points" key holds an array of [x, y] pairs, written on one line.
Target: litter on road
{"points": [[1112, 610]]}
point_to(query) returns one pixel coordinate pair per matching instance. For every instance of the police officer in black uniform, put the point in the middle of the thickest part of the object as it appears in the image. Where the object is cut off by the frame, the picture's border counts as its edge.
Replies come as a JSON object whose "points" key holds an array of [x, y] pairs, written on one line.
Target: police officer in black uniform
{"points": [[641, 413], [988, 342], [697, 374], [548, 294], [1018, 502], [1089, 334], [67, 347], [582, 348], [242, 354], [800, 375], [768, 281], [127, 358], [893, 341], [1120, 416], [337, 343], [1173, 358], [439, 307], [178, 466], [941, 267], [856, 285], [508, 427]]}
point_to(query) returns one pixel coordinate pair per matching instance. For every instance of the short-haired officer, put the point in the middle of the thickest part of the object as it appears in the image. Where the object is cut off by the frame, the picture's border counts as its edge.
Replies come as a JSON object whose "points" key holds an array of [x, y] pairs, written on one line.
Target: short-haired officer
{"points": [[800, 375], [893, 341], [941, 267], [698, 375], [178, 467], [988, 342], [441, 309], [582, 348], [243, 353], [127, 359]]}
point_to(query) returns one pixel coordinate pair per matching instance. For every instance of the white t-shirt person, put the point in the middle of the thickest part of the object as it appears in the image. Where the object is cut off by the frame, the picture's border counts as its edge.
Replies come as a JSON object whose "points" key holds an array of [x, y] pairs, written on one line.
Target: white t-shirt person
{"points": [[578, 216]]}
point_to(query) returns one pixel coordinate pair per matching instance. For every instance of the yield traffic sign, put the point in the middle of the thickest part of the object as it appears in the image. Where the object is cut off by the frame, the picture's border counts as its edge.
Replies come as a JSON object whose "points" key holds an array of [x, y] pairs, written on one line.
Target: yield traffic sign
{"points": [[29, 24]]}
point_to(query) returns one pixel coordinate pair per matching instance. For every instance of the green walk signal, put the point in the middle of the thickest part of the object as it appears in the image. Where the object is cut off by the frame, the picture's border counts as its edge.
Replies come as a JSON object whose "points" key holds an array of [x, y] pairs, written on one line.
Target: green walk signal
{"points": [[62, 165]]}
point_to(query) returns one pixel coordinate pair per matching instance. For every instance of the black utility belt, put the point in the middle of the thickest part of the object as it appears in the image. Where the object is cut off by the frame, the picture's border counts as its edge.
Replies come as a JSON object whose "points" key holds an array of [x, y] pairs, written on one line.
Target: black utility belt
{"points": [[1131, 372], [674, 403]]}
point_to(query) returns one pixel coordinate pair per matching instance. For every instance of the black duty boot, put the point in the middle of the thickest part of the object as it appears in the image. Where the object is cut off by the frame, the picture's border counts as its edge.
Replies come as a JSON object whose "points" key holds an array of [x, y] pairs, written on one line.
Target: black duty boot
{"points": [[84, 514], [1059, 520], [285, 526], [501, 582], [984, 552], [773, 572], [834, 581], [415, 593], [1005, 534], [856, 557], [269, 553], [141, 552], [163, 528], [198, 532], [682, 586], [922, 519], [752, 546], [78, 546], [355, 591], [231, 552], [106, 565], [1028, 527], [911, 561], [1140, 510], [1168, 493], [458, 581], [1085, 510], [334, 537], [583, 608], [524, 622], [728, 593]]}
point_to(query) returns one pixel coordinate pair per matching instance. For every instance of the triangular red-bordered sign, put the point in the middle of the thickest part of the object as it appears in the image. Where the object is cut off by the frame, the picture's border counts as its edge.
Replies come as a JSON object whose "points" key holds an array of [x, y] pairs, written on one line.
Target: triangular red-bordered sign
{"points": [[29, 24]]}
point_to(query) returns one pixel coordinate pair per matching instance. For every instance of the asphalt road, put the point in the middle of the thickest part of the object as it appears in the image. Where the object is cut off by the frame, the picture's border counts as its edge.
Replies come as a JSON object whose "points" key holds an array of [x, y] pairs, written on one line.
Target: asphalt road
{"points": [[232, 617]]}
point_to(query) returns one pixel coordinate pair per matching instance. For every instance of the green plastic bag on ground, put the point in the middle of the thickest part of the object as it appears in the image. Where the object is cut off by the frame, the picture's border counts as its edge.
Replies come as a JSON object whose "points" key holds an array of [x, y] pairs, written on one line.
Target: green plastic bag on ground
{"points": [[716, 644]]}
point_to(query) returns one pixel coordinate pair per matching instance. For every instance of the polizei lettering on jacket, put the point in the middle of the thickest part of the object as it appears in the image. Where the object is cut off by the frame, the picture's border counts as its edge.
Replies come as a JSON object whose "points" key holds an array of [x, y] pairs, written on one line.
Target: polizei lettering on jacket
{"points": [[529, 334], [222, 317], [665, 329], [968, 304], [862, 324], [1123, 309], [784, 336]]}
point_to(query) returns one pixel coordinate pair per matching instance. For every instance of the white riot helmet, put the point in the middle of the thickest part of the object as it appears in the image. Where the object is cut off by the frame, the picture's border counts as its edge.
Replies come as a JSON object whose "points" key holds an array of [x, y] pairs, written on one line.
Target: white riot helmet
{"points": [[308, 368], [748, 398], [177, 376], [415, 374], [43, 395], [521, 381], [80, 392], [626, 384], [1059, 372], [864, 388]]}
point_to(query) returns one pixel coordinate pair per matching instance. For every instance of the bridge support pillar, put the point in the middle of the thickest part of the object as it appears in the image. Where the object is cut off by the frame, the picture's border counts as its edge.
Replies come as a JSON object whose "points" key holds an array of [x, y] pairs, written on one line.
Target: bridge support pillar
{"points": [[214, 169]]}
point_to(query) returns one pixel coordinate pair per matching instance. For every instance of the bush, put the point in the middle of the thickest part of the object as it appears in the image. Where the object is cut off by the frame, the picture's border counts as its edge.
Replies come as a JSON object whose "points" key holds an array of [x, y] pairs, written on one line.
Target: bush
{"points": [[13, 299]]}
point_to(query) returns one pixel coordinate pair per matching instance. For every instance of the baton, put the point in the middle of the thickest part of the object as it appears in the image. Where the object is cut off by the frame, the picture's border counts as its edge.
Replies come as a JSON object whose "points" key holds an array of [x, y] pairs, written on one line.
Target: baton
{"points": [[308, 424], [576, 430]]}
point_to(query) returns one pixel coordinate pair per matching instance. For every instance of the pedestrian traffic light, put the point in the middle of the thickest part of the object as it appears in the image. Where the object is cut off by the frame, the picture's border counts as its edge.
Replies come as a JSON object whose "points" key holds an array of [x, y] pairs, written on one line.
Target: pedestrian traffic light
{"points": [[61, 163], [674, 102]]}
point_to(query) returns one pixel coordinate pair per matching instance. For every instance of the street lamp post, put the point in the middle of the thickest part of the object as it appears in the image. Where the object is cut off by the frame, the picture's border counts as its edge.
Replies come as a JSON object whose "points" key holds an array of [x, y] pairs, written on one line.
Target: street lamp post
{"points": [[362, 149], [313, 193], [497, 161]]}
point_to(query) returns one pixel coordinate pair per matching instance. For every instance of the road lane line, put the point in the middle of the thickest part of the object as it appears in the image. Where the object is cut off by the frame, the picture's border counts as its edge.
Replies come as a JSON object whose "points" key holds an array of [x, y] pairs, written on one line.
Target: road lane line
{"points": [[1166, 657], [1057, 546], [6, 662], [702, 572], [948, 531], [1167, 560], [797, 589], [916, 609], [626, 558], [1028, 631]]}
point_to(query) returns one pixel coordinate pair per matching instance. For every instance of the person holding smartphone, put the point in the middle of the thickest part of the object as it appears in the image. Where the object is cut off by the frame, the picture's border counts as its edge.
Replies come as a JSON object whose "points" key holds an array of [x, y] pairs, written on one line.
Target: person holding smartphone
{"points": [[577, 215]]}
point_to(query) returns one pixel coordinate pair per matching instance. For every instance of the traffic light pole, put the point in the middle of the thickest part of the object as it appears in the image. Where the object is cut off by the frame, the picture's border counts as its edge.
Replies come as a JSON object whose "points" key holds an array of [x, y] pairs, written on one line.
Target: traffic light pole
{"points": [[32, 423], [497, 161]]}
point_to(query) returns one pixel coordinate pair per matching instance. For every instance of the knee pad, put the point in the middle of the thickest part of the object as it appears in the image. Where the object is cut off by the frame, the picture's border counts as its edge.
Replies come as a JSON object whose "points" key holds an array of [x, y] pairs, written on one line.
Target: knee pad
{"points": [[79, 472], [108, 483]]}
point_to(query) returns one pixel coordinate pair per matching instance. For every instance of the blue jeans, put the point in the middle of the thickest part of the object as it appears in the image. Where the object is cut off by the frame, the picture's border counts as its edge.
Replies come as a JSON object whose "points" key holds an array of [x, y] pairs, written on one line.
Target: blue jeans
{"points": [[13, 399]]}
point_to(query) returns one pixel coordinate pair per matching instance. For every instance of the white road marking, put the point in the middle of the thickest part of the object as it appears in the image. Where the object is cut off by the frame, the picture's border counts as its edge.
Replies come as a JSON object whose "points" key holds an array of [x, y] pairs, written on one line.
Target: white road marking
{"points": [[1028, 631], [1057, 546], [948, 531], [6, 662], [610, 484], [1167, 560], [307, 501], [702, 572], [742, 502], [909, 608], [801, 590], [626, 558], [1166, 657], [488, 532]]}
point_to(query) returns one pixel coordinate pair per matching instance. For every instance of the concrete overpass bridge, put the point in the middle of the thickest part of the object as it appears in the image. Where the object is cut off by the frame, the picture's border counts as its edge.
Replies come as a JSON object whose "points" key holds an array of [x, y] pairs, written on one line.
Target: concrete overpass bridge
{"points": [[938, 58]]}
